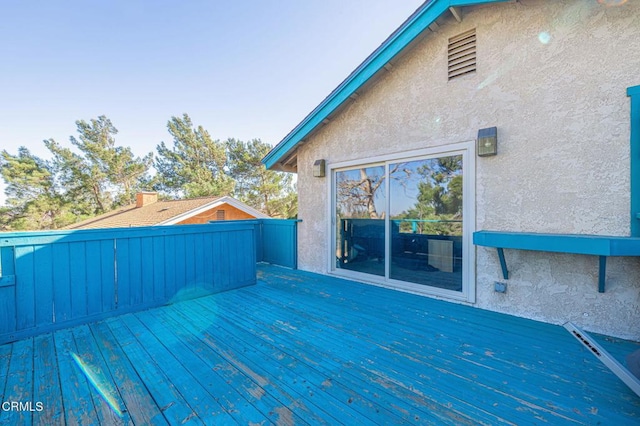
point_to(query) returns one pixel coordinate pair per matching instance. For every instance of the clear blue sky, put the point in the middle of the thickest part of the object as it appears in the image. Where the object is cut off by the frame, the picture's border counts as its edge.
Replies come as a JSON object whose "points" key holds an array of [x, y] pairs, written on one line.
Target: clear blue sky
{"points": [[243, 69]]}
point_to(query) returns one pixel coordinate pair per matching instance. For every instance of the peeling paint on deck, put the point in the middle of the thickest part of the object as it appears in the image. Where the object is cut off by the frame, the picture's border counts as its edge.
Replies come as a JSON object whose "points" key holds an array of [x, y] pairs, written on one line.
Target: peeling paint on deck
{"points": [[280, 353], [285, 416]]}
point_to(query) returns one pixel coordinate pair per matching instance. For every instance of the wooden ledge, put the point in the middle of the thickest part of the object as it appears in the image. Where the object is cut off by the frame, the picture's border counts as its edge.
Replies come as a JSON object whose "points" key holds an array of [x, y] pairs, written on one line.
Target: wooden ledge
{"points": [[595, 245]]}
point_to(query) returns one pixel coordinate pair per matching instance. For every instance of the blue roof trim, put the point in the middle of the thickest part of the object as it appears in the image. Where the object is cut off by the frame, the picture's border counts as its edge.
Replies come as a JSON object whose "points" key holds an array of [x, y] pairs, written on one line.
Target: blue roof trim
{"points": [[424, 16]]}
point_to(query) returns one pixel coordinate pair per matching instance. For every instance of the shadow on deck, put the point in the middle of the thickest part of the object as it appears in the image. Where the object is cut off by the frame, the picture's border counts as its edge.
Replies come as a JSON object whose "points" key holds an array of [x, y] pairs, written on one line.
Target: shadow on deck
{"points": [[305, 348]]}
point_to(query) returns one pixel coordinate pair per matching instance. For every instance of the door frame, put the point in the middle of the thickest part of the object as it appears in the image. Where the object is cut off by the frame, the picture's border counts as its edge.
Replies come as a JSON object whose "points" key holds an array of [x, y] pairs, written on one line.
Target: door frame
{"points": [[467, 150]]}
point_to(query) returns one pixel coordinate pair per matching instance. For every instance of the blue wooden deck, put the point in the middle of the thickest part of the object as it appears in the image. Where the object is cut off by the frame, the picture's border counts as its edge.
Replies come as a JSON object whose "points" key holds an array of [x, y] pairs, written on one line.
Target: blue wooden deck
{"points": [[300, 348]]}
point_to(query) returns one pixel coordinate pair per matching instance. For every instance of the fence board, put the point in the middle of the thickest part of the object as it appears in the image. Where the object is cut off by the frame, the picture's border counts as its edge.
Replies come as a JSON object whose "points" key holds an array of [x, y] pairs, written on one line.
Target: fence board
{"points": [[7, 310], [190, 260], [43, 276], [170, 266], [147, 264], [159, 257], [94, 276], [78, 279], [207, 267], [123, 274], [279, 242], [25, 288], [62, 283], [53, 279], [198, 255], [7, 258], [107, 275], [135, 271], [7, 291], [225, 266], [249, 272], [181, 261], [216, 247], [259, 241]]}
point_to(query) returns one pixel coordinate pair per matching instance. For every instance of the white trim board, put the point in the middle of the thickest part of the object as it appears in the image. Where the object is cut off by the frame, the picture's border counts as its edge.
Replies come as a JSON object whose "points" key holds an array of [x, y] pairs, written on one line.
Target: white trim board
{"points": [[213, 204]]}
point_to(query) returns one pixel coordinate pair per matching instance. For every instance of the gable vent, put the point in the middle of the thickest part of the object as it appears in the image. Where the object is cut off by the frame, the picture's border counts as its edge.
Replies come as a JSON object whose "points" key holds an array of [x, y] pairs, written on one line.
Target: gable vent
{"points": [[462, 54]]}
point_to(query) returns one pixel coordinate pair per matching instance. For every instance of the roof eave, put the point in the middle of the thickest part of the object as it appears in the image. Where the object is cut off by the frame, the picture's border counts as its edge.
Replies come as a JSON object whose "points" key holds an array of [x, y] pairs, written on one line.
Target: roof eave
{"points": [[419, 21], [213, 204]]}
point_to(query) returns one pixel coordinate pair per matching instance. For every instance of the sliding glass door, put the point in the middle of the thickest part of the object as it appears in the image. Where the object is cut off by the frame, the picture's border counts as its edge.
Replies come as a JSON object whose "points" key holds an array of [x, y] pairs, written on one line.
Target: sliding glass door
{"points": [[360, 212], [426, 222], [402, 223]]}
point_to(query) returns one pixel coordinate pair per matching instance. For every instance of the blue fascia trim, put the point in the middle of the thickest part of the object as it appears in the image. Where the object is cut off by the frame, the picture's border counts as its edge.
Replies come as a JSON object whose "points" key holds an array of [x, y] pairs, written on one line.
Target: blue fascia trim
{"points": [[401, 38], [634, 94]]}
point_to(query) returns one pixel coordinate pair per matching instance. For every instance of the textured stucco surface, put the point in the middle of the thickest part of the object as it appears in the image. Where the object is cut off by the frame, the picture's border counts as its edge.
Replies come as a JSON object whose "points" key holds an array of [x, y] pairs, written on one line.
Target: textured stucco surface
{"points": [[552, 76]]}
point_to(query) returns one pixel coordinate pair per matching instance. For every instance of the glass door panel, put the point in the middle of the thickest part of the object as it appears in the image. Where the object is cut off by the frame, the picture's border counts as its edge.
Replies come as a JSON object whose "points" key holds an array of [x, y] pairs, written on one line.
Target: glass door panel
{"points": [[426, 222], [360, 220]]}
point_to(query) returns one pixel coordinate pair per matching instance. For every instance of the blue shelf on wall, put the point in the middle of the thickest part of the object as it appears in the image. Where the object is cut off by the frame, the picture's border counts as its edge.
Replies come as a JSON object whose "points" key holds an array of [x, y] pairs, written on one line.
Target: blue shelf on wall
{"points": [[595, 245]]}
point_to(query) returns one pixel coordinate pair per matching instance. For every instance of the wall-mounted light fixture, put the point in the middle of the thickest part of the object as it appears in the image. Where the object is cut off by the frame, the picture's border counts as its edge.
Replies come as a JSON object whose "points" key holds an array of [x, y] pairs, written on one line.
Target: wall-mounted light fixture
{"points": [[318, 168], [487, 142]]}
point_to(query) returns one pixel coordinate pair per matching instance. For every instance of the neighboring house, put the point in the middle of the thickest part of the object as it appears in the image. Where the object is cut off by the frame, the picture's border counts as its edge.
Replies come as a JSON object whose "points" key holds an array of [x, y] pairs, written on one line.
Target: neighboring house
{"points": [[393, 183], [148, 211]]}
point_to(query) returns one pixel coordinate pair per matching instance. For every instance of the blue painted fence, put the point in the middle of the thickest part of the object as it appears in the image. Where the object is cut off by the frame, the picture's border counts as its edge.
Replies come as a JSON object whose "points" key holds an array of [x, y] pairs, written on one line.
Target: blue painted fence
{"points": [[55, 279], [277, 242]]}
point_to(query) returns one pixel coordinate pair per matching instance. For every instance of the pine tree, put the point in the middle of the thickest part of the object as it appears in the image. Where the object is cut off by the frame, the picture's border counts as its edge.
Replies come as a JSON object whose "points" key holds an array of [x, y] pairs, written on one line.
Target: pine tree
{"points": [[34, 200], [73, 185], [195, 165], [103, 176], [266, 190]]}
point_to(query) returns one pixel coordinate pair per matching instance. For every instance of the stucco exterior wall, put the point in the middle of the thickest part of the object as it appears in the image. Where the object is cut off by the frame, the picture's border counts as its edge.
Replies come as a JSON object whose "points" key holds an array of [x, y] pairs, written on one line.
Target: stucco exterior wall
{"points": [[552, 76]]}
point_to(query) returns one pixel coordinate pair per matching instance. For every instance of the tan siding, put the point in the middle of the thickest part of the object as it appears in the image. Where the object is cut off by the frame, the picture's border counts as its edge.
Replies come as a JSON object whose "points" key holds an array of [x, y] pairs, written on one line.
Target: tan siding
{"points": [[230, 213]]}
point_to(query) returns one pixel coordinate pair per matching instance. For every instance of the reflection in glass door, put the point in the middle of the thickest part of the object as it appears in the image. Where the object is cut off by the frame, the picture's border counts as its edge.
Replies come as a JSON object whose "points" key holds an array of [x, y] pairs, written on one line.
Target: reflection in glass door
{"points": [[402, 221], [426, 222], [360, 220]]}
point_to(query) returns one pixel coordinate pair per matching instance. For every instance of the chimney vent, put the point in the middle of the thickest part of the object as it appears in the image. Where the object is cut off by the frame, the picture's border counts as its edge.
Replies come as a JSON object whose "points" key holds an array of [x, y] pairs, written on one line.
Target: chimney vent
{"points": [[146, 198]]}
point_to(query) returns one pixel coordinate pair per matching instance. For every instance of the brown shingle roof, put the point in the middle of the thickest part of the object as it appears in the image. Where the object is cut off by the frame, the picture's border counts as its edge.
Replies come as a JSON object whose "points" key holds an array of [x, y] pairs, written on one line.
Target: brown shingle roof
{"points": [[148, 215]]}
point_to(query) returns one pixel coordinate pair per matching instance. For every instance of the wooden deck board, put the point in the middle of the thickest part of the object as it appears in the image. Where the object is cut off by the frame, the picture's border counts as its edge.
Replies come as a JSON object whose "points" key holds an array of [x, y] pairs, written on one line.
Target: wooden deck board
{"points": [[446, 370], [5, 358], [545, 361], [378, 368], [249, 395], [75, 399], [102, 385], [19, 383], [189, 375], [138, 403], [173, 405], [300, 348], [342, 378], [445, 324], [46, 386], [274, 372]]}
